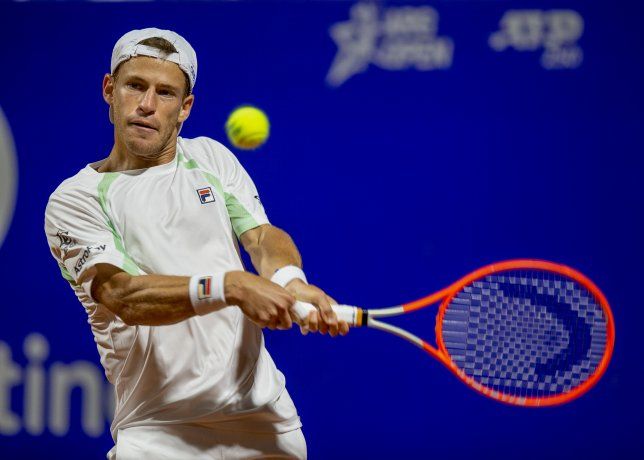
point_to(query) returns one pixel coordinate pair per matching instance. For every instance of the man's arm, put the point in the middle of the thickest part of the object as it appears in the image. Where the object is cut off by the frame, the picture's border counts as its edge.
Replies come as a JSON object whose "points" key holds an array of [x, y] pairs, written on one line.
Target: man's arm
{"points": [[156, 300], [271, 248]]}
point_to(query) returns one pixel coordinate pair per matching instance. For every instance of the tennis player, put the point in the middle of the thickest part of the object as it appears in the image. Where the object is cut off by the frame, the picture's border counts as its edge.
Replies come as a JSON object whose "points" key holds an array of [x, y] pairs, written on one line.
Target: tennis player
{"points": [[147, 238]]}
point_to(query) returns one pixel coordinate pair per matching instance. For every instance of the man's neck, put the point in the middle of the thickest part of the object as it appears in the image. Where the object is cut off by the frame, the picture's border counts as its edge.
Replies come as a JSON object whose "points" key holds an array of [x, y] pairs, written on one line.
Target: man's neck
{"points": [[121, 159]]}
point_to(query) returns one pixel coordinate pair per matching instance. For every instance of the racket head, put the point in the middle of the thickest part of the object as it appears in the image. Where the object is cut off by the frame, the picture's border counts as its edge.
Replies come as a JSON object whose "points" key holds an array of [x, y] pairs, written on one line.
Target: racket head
{"points": [[526, 332]]}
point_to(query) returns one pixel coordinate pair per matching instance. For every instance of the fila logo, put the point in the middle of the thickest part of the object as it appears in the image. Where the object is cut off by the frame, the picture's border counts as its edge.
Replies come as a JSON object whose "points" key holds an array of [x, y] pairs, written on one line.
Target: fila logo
{"points": [[206, 195]]}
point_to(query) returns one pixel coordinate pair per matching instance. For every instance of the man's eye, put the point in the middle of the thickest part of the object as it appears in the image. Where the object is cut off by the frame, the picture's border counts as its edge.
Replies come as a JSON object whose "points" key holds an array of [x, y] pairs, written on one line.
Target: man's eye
{"points": [[134, 85], [165, 92]]}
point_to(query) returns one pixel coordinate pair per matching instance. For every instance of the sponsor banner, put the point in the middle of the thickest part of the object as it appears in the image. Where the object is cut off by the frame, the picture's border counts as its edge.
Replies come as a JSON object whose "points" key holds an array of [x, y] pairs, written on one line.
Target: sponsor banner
{"points": [[463, 132]]}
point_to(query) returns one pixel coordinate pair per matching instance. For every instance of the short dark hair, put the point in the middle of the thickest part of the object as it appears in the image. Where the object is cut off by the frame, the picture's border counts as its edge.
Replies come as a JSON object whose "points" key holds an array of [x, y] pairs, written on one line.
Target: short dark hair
{"points": [[163, 45]]}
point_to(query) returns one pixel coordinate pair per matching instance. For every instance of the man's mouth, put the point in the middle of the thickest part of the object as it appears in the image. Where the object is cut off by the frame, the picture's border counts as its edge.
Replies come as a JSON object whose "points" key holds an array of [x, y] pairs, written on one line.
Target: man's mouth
{"points": [[143, 125]]}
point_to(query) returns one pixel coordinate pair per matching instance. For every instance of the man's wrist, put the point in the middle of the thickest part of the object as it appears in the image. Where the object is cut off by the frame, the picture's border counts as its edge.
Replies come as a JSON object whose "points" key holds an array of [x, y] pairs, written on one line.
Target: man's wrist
{"points": [[286, 274], [207, 292]]}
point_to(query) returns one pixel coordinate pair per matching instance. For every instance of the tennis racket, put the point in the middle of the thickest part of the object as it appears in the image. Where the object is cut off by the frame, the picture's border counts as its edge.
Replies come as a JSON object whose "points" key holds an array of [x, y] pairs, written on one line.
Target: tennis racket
{"points": [[523, 332]]}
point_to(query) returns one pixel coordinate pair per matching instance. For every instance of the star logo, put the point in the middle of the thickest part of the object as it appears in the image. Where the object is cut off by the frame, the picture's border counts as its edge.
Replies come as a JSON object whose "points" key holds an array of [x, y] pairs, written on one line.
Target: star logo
{"points": [[394, 39]]}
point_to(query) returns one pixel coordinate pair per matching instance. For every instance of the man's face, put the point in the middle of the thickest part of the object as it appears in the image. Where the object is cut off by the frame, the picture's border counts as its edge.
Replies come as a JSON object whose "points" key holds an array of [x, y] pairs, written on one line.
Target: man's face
{"points": [[147, 102]]}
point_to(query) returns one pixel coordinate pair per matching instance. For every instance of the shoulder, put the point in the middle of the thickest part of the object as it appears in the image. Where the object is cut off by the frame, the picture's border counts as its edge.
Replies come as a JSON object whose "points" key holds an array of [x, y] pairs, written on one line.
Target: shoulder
{"points": [[75, 193], [208, 152], [202, 144]]}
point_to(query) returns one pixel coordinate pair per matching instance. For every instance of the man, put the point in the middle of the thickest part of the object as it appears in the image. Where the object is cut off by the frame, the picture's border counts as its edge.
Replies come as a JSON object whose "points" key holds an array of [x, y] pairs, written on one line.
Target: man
{"points": [[148, 240]]}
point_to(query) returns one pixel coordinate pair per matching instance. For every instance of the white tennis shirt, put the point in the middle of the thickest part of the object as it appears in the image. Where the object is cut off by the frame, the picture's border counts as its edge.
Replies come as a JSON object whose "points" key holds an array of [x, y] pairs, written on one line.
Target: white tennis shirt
{"points": [[180, 218]]}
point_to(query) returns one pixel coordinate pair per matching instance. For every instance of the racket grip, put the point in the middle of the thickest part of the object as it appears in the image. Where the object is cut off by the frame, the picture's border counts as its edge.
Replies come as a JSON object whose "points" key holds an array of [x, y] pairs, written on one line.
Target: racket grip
{"points": [[344, 312]]}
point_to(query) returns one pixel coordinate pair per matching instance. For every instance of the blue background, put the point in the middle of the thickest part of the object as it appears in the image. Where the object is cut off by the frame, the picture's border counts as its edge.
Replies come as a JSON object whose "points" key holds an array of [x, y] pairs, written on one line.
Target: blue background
{"points": [[393, 185]]}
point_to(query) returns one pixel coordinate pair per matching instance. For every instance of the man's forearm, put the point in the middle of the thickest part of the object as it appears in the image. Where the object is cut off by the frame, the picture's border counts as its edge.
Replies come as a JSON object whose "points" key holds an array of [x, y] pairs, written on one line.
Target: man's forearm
{"points": [[151, 300], [271, 248], [156, 300]]}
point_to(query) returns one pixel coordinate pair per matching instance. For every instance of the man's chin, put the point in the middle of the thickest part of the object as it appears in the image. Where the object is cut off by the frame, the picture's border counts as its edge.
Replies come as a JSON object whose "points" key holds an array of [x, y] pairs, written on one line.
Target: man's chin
{"points": [[144, 148]]}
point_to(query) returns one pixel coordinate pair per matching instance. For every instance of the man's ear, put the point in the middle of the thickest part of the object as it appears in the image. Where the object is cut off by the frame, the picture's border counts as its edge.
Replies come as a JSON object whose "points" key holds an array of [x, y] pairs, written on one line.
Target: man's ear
{"points": [[186, 107], [108, 88], [108, 93]]}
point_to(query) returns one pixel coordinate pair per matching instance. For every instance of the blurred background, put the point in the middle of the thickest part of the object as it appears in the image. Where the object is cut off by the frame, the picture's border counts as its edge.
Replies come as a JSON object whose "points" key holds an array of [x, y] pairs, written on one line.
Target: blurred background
{"points": [[411, 143]]}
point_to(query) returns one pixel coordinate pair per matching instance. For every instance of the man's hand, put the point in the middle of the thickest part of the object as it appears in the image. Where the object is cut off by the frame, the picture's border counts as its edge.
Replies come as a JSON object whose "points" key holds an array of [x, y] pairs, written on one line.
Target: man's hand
{"points": [[271, 248], [324, 318], [265, 303]]}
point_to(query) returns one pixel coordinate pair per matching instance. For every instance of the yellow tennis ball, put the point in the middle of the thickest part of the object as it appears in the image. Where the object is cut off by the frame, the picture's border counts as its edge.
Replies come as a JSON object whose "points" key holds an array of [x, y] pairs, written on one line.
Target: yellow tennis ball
{"points": [[247, 127]]}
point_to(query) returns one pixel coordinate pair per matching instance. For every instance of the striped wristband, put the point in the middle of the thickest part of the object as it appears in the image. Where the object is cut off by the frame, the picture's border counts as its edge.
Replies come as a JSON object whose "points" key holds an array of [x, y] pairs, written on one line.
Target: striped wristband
{"points": [[207, 292], [286, 274]]}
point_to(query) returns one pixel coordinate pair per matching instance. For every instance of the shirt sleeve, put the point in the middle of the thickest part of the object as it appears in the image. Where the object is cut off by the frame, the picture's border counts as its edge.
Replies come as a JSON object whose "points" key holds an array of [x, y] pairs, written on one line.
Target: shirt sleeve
{"points": [[242, 199], [79, 237]]}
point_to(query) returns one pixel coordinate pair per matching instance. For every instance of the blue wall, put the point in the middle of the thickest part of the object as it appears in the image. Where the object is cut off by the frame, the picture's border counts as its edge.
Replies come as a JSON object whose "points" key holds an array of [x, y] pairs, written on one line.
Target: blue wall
{"points": [[393, 182]]}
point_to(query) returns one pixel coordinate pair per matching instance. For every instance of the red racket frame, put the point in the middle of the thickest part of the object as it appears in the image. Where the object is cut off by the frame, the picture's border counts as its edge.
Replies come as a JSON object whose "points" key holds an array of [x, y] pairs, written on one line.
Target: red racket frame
{"points": [[448, 294]]}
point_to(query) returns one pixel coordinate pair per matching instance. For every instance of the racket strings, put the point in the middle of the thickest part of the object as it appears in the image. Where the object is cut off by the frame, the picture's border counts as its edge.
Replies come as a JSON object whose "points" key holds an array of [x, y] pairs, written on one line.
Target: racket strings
{"points": [[525, 333]]}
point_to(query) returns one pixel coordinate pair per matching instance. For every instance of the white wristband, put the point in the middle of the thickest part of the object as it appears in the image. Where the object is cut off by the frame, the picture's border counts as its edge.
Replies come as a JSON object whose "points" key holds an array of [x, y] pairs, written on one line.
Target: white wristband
{"points": [[285, 275], [207, 292]]}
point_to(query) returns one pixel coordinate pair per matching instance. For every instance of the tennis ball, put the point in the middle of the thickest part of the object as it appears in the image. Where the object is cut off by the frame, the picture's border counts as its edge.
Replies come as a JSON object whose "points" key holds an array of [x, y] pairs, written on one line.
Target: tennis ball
{"points": [[247, 127]]}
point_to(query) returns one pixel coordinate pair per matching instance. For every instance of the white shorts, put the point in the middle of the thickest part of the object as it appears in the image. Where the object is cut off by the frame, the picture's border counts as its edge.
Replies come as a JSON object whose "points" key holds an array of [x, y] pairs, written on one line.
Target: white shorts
{"points": [[195, 442]]}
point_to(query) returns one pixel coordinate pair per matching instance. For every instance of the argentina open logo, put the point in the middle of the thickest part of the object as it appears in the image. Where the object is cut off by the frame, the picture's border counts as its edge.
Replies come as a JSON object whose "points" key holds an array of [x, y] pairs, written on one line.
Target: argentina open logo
{"points": [[8, 176]]}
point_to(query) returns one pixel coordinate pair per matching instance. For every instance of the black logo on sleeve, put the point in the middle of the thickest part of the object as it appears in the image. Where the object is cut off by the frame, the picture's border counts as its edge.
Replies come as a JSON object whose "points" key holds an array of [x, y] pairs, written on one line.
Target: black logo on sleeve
{"points": [[65, 241]]}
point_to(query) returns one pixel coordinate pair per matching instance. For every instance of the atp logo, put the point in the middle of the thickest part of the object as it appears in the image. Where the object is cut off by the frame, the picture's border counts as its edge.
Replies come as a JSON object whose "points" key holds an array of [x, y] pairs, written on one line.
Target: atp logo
{"points": [[396, 38], [556, 32], [8, 176]]}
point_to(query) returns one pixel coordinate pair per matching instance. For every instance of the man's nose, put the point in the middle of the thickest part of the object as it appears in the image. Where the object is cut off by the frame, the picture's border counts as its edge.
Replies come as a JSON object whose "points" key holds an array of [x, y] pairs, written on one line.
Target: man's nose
{"points": [[148, 101]]}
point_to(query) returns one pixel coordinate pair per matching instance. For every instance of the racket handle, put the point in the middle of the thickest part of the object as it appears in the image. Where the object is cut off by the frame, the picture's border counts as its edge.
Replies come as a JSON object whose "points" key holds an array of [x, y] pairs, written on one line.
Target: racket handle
{"points": [[344, 312]]}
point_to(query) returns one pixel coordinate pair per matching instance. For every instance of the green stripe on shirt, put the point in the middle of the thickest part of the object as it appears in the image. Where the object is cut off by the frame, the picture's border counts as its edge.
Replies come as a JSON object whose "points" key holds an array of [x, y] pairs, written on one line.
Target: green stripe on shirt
{"points": [[128, 264]]}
